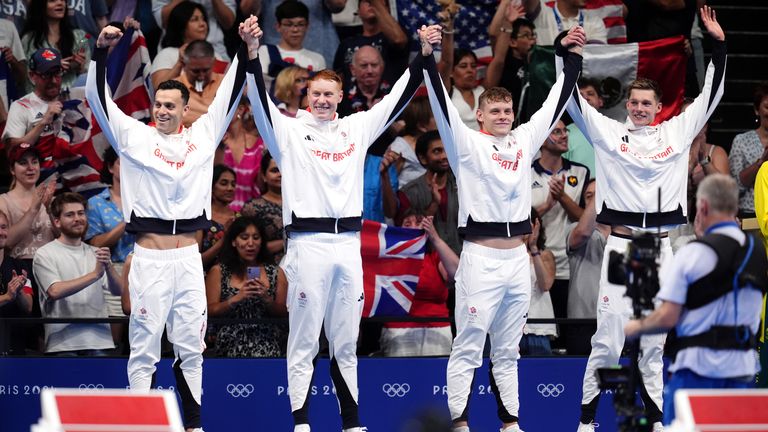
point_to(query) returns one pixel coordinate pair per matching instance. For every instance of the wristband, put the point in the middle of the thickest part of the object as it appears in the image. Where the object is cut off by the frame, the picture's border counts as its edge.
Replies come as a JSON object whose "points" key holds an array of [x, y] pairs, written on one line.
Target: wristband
{"points": [[535, 254]]}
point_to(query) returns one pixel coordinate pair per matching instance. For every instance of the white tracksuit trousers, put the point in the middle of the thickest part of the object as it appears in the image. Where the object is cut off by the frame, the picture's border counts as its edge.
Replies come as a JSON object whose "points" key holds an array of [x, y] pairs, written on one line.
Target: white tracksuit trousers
{"points": [[167, 289], [614, 310], [325, 289], [493, 292]]}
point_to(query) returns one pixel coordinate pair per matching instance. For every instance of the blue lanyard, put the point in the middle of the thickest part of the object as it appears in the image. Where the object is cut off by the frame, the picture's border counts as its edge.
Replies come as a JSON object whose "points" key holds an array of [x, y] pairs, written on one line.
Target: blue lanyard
{"points": [[736, 280], [559, 21]]}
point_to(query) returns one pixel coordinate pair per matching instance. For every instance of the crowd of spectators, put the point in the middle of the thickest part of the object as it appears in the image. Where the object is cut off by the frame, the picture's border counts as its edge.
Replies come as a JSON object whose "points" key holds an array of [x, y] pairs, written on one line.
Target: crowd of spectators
{"points": [[64, 250]]}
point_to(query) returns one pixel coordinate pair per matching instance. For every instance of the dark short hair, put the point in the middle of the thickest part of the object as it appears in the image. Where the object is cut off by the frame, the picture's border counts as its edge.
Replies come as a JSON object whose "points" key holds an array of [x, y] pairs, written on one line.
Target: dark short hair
{"points": [[177, 23], [760, 93], [174, 85], [220, 169], [266, 158], [57, 205], [460, 53], [416, 113], [521, 22], [645, 84], [422, 144], [291, 9], [109, 157], [228, 255], [199, 49], [588, 82]]}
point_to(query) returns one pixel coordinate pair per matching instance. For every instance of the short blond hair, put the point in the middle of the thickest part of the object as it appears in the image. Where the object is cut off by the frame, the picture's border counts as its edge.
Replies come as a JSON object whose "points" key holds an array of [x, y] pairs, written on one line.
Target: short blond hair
{"points": [[285, 80]]}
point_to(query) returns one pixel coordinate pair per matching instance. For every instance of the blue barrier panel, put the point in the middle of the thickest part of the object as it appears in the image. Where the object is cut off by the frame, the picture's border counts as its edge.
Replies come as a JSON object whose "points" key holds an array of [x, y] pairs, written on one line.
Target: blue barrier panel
{"points": [[251, 394]]}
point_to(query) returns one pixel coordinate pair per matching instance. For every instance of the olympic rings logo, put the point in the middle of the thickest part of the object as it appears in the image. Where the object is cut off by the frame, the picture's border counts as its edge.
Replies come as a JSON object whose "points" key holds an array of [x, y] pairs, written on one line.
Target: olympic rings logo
{"points": [[550, 390], [91, 387], [240, 390], [395, 389]]}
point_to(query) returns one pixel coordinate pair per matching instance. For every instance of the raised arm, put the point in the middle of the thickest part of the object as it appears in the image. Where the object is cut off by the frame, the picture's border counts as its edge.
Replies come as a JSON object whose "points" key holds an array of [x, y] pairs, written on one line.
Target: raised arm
{"points": [[698, 112], [113, 122], [266, 115], [453, 131], [511, 12], [390, 28], [544, 120], [376, 120], [222, 109], [449, 261]]}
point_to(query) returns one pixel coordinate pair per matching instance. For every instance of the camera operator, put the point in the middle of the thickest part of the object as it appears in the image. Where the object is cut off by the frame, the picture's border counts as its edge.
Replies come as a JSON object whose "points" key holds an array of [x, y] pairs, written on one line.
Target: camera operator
{"points": [[712, 295]]}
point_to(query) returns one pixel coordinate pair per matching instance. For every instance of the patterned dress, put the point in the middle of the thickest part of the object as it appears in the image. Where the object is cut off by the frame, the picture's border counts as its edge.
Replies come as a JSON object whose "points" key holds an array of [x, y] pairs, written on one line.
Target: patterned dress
{"points": [[249, 340], [269, 217], [745, 150], [246, 173]]}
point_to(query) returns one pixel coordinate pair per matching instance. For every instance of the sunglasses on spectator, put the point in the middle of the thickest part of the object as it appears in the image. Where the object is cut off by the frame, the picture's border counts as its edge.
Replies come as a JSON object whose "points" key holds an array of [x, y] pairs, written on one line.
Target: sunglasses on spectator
{"points": [[294, 24], [51, 74]]}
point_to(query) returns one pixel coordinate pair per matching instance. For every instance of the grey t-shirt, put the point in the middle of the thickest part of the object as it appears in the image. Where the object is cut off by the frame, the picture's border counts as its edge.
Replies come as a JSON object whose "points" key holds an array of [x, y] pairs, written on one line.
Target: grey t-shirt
{"points": [[56, 262], [585, 263]]}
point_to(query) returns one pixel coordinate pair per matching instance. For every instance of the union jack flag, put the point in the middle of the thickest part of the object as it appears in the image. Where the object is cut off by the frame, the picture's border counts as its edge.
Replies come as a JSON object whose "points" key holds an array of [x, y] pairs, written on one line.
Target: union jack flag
{"points": [[128, 78], [392, 260], [79, 146]]}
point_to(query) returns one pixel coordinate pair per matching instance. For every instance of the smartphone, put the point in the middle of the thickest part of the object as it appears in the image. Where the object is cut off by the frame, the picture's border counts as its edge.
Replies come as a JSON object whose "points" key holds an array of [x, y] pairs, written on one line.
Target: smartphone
{"points": [[253, 272]]}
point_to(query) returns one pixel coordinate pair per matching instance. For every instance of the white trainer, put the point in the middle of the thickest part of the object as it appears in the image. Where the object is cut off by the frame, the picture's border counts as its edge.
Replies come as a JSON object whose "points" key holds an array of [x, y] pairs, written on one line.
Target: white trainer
{"points": [[513, 428], [301, 428], [658, 427], [586, 427]]}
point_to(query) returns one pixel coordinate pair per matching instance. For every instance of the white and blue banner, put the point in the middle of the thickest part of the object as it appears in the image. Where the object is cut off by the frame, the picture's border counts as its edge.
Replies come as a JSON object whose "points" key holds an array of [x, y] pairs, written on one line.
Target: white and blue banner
{"points": [[251, 394]]}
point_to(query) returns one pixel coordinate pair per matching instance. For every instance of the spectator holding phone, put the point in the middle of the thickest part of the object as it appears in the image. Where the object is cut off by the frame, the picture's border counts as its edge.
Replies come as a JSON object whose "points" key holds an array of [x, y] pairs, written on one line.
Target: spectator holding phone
{"points": [[48, 26], [243, 286]]}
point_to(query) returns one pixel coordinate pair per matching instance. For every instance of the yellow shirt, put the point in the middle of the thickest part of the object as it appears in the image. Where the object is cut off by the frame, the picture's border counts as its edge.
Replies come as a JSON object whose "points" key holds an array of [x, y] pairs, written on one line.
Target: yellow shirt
{"points": [[761, 201]]}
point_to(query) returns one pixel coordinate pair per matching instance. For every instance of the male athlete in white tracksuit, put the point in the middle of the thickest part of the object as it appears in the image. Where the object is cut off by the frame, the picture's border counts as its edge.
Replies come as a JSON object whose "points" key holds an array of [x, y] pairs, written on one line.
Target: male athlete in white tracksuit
{"points": [[633, 161], [166, 198], [493, 281], [321, 159]]}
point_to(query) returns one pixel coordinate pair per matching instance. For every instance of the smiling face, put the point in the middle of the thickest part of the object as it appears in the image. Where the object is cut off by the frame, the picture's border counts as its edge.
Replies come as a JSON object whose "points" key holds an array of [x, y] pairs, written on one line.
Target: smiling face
{"points": [[557, 141], [248, 244], [224, 188], [26, 170], [324, 97], [496, 117], [56, 9], [435, 159], [73, 222], [168, 110], [642, 106]]}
